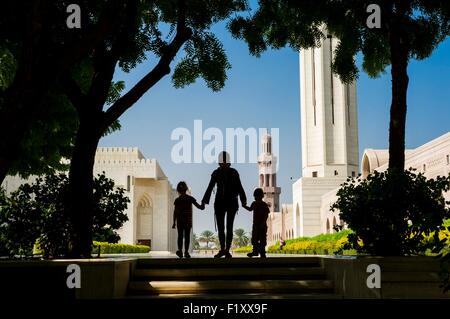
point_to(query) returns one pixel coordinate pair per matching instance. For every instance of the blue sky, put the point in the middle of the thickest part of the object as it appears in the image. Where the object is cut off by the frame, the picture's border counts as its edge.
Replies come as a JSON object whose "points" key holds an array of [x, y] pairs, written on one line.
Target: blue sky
{"points": [[264, 92]]}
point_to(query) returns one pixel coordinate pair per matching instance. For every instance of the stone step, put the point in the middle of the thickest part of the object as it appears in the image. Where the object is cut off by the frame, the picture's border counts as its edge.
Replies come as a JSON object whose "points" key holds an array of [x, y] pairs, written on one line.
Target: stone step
{"points": [[410, 267], [413, 290], [410, 276], [403, 263], [230, 286], [229, 263], [225, 273]]}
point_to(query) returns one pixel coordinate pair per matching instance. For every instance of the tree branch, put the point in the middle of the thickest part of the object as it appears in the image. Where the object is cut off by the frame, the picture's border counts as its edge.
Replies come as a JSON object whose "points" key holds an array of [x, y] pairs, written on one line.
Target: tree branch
{"points": [[104, 66], [73, 92], [161, 69], [105, 26], [105, 60]]}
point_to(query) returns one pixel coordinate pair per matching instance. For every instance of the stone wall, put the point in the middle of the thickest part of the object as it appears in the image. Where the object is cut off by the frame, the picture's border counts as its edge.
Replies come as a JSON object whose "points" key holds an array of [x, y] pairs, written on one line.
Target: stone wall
{"points": [[401, 277], [307, 195]]}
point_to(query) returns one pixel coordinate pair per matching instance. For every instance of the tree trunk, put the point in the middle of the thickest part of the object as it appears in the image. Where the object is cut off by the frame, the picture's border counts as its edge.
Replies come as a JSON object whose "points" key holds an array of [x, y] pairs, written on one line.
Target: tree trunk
{"points": [[400, 80], [80, 200]]}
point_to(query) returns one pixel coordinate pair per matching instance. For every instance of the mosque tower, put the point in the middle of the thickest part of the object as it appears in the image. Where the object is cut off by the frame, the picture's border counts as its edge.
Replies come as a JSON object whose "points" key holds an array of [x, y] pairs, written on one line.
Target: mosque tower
{"points": [[267, 163]]}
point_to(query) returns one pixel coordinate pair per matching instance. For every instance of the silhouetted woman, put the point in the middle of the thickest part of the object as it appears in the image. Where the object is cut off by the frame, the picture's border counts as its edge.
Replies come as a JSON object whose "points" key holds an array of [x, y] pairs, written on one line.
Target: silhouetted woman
{"points": [[226, 204]]}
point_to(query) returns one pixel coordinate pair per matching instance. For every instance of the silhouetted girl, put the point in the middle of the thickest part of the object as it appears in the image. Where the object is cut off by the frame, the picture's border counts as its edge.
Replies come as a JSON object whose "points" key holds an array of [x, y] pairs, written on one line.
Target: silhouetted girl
{"points": [[182, 217]]}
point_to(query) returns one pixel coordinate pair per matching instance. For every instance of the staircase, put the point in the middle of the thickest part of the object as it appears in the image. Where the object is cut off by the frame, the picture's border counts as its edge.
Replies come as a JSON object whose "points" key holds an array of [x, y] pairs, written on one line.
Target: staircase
{"points": [[236, 278]]}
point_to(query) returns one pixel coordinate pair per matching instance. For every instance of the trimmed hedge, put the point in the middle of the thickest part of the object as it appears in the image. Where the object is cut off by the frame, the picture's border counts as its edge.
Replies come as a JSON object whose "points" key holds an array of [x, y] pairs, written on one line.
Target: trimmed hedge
{"points": [[329, 244], [108, 248], [324, 244]]}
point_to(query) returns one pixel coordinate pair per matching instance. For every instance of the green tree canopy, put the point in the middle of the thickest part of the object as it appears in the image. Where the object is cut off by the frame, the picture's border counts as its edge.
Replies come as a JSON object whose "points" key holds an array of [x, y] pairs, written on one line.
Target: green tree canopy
{"points": [[36, 48], [157, 30]]}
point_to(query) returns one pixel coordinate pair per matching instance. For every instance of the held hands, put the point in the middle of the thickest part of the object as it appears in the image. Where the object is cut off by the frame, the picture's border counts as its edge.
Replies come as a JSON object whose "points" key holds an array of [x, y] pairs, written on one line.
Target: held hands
{"points": [[202, 206]]}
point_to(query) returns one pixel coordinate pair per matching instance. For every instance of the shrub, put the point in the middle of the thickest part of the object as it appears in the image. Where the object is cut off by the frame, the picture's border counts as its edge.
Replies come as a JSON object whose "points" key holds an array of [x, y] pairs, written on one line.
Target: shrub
{"points": [[110, 205], [36, 214], [324, 244], [243, 249], [48, 195], [114, 248], [19, 224], [393, 212]]}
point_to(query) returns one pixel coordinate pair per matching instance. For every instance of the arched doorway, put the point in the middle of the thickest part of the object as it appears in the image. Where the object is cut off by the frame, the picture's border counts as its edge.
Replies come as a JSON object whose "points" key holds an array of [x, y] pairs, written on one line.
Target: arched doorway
{"points": [[144, 226], [328, 226], [365, 166]]}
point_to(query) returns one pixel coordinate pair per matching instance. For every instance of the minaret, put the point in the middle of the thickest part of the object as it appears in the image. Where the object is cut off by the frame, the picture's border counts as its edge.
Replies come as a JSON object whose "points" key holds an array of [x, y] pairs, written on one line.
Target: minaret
{"points": [[329, 137], [267, 174], [328, 116]]}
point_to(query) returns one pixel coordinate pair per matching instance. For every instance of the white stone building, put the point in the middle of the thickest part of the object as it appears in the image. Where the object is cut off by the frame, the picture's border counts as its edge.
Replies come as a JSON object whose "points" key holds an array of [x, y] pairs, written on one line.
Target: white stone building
{"points": [[330, 150], [329, 143], [329, 126], [432, 159], [150, 210], [280, 225], [151, 196]]}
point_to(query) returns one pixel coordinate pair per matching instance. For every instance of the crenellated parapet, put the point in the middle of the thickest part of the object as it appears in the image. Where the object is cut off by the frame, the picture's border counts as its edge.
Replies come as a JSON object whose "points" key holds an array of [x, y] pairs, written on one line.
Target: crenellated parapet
{"points": [[126, 161], [118, 153]]}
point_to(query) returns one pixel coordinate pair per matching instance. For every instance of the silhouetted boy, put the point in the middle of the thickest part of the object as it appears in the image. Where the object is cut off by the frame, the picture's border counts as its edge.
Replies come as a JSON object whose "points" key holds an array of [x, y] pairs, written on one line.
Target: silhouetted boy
{"points": [[259, 229], [182, 216]]}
